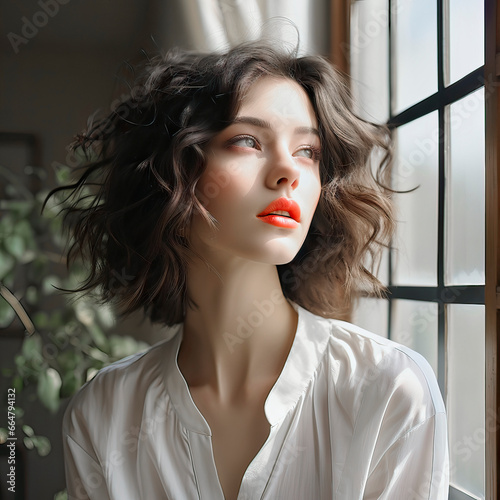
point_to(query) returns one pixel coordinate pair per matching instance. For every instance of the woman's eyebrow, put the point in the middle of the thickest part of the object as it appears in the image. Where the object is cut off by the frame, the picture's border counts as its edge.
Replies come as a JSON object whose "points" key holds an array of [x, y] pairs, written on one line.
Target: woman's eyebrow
{"points": [[258, 122]]}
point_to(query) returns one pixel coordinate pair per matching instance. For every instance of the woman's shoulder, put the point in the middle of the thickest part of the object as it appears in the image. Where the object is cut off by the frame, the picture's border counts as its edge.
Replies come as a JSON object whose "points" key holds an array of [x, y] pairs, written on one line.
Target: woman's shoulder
{"points": [[120, 386], [363, 349], [367, 371], [135, 369], [371, 349]]}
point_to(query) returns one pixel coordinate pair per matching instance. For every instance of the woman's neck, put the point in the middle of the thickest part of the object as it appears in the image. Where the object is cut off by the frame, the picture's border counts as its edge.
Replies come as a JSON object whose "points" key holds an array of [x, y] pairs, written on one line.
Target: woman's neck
{"points": [[239, 330]]}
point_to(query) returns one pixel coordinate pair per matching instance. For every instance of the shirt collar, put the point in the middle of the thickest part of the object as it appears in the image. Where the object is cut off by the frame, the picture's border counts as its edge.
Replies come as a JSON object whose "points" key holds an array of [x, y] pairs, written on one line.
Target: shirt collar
{"points": [[309, 344]]}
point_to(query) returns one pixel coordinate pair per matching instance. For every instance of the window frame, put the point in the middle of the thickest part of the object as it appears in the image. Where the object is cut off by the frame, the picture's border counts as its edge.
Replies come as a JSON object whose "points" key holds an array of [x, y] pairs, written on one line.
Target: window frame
{"points": [[489, 294], [492, 288]]}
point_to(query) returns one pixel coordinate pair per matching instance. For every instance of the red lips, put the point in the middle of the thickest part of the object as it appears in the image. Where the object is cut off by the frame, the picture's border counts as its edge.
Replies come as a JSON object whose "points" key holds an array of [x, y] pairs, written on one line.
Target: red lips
{"points": [[281, 220]]}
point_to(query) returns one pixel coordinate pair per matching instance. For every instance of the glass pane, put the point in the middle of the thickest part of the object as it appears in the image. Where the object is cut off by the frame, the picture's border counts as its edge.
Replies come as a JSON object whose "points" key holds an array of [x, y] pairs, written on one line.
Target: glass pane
{"points": [[415, 51], [415, 325], [369, 56], [466, 44], [414, 259], [465, 195], [382, 273], [371, 314], [380, 268], [465, 396]]}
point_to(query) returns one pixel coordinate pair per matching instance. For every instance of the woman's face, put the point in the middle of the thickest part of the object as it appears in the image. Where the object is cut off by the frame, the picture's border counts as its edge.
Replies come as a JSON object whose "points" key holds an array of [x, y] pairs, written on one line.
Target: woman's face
{"points": [[261, 182]]}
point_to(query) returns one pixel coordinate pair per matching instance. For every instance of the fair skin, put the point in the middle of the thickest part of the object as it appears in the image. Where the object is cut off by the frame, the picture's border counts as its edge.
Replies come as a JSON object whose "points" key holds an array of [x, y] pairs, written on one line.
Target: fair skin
{"points": [[270, 151]]}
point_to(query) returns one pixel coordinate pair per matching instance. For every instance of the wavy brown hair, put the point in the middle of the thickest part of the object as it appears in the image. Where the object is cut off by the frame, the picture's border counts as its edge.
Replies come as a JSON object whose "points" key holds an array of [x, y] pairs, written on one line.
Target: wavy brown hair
{"points": [[143, 161]]}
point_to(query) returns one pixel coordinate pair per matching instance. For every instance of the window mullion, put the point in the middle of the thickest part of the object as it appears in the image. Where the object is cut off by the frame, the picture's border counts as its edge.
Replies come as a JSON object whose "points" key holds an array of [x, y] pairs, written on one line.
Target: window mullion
{"points": [[492, 110]]}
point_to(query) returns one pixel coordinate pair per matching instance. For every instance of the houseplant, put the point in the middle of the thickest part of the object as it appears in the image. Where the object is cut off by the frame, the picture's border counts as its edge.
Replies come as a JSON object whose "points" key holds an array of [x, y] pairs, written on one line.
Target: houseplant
{"points": [[66, 340]]}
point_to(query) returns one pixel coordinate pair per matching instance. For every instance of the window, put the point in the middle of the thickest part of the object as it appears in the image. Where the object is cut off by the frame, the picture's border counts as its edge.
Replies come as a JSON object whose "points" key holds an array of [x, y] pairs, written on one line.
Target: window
{"points": [[420, 66]]}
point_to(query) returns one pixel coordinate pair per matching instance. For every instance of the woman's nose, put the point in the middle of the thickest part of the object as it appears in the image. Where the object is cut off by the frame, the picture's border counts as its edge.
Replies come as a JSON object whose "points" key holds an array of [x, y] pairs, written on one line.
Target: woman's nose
{"points": [[283, 171]]}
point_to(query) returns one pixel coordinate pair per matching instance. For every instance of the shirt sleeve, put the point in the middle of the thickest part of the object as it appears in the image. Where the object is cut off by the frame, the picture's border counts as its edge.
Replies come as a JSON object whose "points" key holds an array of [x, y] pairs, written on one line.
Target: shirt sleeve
{"points": [[84, 476], [415, 466]]}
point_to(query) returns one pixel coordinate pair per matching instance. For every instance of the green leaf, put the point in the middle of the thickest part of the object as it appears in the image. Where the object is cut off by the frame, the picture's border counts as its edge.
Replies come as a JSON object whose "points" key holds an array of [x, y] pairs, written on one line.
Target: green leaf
{"points": [[97, 354], [3, 435], [42, 445], [49, 385], [24, 368], [56, 320], [15, 245], [7, 314], [23, 229], [32, 348], [84, 313], [125, 346], [28, 430], [28, 442], [71, 382], [106, 316], [32, 295], [98, 337], [61, 495], [28, 256], [8, 278], [6, 225], [17, 383], [7, 263], [19, 360], [91, 373], [63, 173], [69, 360], [41, 320]]}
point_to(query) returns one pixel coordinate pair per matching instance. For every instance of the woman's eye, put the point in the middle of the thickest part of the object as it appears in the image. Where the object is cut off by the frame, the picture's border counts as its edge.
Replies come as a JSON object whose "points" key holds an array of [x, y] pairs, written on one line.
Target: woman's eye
{"points": [[310, 153], [245, 142], [307, 152]]}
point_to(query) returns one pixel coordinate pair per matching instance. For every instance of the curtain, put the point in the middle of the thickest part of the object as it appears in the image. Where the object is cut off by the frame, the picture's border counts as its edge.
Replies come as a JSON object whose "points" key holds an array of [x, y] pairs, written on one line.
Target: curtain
{"points": [[213, 25]]}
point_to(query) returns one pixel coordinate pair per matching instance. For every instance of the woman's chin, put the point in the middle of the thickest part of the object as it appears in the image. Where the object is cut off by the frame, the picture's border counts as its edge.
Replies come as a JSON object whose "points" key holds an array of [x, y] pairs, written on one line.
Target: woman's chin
{"points": [[275, 256]]}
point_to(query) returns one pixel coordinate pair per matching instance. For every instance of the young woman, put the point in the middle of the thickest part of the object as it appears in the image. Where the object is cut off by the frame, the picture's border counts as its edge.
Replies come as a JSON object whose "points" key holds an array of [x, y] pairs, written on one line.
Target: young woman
{"points": [[234, 202]]}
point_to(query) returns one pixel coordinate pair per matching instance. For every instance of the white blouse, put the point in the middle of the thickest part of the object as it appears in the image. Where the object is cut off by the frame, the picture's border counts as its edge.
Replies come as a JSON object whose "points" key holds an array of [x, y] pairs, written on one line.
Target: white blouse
{"points": [[352, 416]]}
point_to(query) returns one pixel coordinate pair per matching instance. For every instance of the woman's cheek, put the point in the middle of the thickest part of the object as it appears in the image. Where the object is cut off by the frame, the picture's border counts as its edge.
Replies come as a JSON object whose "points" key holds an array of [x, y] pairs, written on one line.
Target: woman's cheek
{"points": [[222, 186], [313, 192]]}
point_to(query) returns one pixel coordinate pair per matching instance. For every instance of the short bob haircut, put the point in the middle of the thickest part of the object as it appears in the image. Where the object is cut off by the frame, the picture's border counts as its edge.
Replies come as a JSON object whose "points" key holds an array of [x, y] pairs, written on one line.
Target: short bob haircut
{"points": [[144, 159]]}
